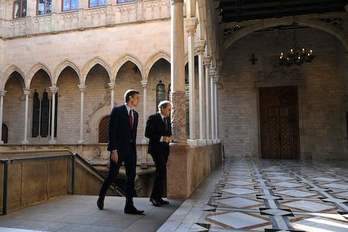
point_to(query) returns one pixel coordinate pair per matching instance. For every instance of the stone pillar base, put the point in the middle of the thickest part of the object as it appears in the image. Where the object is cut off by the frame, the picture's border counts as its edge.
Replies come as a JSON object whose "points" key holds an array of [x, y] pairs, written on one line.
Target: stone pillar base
{"points": [[193, 142]]}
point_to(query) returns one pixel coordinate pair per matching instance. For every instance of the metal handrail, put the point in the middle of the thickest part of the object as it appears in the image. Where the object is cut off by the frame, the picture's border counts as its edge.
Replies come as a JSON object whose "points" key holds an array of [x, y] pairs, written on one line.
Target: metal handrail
{"points": [[74, 157]]}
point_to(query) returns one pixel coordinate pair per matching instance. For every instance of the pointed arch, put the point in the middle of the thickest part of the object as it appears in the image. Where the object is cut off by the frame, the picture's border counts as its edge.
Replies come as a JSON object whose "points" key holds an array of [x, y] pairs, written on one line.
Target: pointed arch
{"points": [[60, 67], [7, 74], [91, 63], [269, 23], [153, 59], [35, 69], [124, 59]]}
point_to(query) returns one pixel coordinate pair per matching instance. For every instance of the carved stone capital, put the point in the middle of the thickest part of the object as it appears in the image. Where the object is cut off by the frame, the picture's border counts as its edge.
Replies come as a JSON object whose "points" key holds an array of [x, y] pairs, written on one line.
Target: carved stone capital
{"points": [[200, 46], [207, 61], [53, 89], [82, 88], [26, 91], [111, 85], [212, 72], [3, 93], [144, 83], [191, 25]]}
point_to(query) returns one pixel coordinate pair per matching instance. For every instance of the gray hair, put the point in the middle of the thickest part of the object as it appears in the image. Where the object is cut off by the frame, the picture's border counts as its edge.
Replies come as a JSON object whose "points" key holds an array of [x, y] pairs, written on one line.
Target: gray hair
{"points": [[163, 104]]}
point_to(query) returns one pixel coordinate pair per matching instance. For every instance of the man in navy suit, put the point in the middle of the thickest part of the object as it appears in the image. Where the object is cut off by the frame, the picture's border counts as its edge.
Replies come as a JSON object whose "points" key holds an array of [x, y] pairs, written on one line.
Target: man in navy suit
{"points": [[158, 130], [122, 146]]}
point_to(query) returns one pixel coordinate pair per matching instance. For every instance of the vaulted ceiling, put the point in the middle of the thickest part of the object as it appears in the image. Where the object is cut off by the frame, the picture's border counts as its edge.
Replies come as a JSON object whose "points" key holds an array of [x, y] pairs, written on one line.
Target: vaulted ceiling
{"points": [[241, 10]]}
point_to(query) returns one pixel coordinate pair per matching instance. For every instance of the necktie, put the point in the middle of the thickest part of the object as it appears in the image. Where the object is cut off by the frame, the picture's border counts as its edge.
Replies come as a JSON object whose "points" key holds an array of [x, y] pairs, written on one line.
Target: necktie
{"points": [[165, 124], [131, 120]]}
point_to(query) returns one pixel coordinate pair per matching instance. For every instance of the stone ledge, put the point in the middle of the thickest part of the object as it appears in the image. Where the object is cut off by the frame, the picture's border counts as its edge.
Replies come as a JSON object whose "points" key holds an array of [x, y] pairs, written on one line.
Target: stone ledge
{"points": [[188, 166]]}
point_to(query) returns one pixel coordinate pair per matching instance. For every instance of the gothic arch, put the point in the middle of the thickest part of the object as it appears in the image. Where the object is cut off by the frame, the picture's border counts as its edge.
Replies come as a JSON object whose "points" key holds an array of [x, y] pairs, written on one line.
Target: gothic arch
{"points": [[91, 63], [35, 69], [153, 59], [60, 67], [7, 73], [124, 59], [268, 23]]}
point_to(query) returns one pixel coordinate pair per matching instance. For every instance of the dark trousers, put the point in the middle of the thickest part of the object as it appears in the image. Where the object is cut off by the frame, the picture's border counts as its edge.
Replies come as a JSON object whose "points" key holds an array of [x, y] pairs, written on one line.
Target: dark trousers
{"points": [[159, 187], [130, 161]]}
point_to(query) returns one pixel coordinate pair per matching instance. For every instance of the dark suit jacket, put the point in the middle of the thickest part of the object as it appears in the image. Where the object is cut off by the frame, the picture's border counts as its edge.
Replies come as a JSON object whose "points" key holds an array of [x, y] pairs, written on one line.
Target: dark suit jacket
{"points": [[121, 136], [155, 129]]}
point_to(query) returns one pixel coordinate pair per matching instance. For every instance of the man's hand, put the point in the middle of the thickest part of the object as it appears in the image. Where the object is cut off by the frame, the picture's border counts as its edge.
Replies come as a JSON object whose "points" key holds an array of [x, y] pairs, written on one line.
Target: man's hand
{"points": [[114, 156], [167, 139]]}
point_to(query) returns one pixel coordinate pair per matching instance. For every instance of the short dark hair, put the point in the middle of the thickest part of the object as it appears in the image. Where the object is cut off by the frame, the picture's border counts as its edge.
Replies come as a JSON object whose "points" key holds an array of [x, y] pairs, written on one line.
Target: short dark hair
{"points": [[130, 93]]}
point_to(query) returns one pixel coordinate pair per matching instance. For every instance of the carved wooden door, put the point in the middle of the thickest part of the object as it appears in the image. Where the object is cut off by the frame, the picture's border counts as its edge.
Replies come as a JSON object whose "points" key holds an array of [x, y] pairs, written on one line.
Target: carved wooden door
{"points": [[104, 130], [279, 122]]}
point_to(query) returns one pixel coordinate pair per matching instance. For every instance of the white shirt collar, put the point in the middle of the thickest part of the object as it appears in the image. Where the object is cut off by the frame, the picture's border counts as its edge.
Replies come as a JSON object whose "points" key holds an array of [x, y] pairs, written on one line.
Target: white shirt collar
{"points": [[128, 107], [162, 116]]}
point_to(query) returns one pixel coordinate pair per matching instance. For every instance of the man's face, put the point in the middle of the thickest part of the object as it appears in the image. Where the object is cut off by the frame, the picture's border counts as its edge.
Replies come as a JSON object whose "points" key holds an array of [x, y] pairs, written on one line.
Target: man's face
{"points": [[134, 100], [166, 111]]}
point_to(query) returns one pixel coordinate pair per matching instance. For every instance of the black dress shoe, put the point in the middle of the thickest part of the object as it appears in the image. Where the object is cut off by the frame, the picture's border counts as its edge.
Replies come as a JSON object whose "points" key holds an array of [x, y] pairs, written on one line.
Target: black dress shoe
{"points": [[132, 210], [100, 203], [164, 202], [155, 203]]}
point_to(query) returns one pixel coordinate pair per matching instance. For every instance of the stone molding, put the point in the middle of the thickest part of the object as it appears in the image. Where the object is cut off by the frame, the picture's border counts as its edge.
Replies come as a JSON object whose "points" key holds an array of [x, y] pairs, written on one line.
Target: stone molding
{"points": [[83, 19]]}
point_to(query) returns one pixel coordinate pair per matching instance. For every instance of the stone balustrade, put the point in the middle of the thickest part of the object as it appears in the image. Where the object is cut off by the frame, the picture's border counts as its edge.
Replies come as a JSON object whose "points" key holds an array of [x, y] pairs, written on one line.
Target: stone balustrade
{"points": [[83, 19]]}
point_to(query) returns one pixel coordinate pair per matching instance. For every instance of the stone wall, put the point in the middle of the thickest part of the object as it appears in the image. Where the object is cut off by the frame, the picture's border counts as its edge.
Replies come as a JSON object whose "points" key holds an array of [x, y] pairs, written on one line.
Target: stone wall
{"points": [[321, 86], [97, 96], [188, 166]]}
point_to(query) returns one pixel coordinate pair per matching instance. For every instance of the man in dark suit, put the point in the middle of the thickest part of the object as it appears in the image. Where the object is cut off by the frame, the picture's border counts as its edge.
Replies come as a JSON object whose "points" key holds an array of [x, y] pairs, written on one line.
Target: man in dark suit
{"points": [[158, 130], [122, 146]]}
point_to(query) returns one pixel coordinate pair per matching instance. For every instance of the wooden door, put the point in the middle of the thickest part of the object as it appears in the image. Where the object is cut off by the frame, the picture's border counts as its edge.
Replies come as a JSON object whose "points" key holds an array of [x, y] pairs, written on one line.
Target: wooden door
{"points": [[104, 130], [4, 133], [279, 122]]}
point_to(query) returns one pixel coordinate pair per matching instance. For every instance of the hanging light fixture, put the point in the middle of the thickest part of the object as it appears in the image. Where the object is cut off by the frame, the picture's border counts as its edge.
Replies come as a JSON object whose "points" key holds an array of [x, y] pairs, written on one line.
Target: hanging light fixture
{"points": [[296, 55]]}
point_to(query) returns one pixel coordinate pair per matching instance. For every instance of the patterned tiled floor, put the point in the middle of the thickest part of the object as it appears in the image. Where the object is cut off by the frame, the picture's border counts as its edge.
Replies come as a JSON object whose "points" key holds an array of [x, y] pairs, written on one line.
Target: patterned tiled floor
{"points": [[261, 195]]}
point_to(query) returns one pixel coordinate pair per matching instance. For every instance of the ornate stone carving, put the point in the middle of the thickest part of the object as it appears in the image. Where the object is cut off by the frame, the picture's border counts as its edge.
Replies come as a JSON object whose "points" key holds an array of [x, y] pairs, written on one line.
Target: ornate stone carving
{"points": [[85, 18], [179, 116], [200, 46], [191, 25]]}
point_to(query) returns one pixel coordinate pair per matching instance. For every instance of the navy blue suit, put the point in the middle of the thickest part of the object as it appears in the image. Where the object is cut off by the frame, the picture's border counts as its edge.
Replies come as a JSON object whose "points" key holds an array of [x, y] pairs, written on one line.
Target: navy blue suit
{"points": [[123, 139], [156, 127]]}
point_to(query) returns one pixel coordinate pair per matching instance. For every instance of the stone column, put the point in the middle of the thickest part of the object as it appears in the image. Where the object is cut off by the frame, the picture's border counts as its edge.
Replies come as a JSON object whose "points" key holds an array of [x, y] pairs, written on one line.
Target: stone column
{"points": [[56, 6], [144, 85], [31, 8], [212, 103], [216, 109], [2, 95], [54, 90], [201, 97], [82, 91], [207, 61], [191, 25], [178, 72], [145, 141], [26, 115], [112, 94]]}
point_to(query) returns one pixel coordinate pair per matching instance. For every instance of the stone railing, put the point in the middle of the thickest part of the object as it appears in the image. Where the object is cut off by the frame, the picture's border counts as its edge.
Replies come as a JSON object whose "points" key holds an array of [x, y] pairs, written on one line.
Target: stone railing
{"points": [[82, 19]]}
